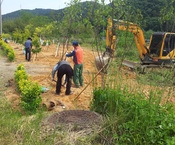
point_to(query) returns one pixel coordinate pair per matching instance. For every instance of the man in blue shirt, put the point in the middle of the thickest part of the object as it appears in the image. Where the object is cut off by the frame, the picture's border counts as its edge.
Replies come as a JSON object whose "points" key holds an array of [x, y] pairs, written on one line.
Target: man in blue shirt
{"points": [[28, 47]]}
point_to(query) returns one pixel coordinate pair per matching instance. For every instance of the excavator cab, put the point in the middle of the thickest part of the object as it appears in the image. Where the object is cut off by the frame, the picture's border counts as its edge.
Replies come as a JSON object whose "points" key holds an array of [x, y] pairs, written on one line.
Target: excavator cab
{"points": [[162, 47], [156, 44], [169, 45]]}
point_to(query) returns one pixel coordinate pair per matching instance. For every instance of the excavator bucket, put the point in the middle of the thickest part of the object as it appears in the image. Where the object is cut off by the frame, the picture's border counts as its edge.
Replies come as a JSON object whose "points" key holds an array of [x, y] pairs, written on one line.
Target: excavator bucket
{"points": [[102, 63]]}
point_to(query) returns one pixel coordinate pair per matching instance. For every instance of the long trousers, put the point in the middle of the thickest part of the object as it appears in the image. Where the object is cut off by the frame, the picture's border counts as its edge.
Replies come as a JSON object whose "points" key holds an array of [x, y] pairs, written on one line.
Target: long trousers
{"points": [[78, 75], [28, 54], [64, 70]]}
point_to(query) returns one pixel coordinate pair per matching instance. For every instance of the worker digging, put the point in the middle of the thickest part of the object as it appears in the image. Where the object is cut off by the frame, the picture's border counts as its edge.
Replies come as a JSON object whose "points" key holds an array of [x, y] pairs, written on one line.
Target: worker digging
{"points": [[63, 68]]}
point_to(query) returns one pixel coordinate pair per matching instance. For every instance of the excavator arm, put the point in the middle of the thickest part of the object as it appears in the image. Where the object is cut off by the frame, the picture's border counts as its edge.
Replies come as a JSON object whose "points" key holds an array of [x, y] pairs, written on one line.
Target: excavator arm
{"points": [[125, 26], [161, 48], [138, 36], [110, 38]]}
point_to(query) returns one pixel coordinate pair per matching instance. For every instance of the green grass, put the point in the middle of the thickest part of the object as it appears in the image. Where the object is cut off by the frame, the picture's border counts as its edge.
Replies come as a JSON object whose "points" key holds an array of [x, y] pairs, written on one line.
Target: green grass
{"points": [[18, 128], [8, 122], [136, 111], [2, 53], [13, 126], [134, 118], [157, 77], [132, 114]]}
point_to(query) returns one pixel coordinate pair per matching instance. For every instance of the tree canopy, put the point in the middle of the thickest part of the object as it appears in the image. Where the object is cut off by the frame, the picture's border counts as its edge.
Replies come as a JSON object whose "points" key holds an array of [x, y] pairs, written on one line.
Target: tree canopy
{"points": [[88, 19]]}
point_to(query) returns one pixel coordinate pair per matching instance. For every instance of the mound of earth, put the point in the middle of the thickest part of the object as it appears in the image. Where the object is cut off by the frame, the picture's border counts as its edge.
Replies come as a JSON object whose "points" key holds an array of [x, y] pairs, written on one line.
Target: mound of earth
{"points": [[74, 120]]}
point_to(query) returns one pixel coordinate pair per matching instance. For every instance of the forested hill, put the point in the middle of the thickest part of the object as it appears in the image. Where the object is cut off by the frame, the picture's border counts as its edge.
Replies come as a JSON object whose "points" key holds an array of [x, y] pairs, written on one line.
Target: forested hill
{"points": [[46, 12], [39, 12], [49, 12], [157, 15]]}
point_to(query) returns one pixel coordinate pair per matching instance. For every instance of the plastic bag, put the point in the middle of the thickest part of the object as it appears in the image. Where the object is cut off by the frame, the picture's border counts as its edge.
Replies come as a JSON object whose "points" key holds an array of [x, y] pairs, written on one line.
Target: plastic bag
{"points": [[44, 89], [24, 50]]}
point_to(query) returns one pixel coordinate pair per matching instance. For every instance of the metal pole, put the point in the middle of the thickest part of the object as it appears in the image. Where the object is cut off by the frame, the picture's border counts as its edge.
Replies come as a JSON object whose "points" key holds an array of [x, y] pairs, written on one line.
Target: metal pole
{"points": [[0, 21]]}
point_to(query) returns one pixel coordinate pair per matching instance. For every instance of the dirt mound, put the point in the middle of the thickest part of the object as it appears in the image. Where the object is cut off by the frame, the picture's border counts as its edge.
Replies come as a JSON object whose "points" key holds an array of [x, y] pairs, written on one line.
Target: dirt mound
{"points": [[78, 119]]}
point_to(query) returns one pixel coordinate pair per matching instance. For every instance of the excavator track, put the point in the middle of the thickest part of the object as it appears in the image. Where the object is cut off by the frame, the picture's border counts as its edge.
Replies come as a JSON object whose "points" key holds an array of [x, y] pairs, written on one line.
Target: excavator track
{"points": [[142, 67], [130, 64]]}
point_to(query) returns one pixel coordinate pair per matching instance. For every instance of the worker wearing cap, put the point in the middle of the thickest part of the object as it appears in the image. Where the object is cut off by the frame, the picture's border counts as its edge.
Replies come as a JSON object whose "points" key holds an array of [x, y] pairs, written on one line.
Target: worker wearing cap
{"points": [[77, 54], [28, 47], [63, 68]]}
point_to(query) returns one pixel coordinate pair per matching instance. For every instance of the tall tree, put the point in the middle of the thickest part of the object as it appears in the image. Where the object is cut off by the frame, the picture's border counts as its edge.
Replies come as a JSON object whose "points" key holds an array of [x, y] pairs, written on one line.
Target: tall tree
{"points": [[150, 10], [71, 20], [167, 18]]}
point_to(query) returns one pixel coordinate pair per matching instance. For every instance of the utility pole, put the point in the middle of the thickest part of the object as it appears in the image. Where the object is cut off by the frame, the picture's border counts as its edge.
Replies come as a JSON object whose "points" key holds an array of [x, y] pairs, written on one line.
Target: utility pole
{"points": [[0, 21]]}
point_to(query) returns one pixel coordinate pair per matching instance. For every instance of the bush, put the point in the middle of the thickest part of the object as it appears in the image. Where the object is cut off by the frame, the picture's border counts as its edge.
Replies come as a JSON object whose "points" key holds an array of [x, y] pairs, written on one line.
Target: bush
{"points": [[132, 119], [30, 91], [30, 99], [9, 52]]}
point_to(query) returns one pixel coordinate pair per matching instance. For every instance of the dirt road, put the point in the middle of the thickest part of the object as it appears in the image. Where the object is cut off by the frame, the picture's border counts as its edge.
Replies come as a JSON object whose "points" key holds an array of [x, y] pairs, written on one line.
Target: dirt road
{"points": [[40, 70]]}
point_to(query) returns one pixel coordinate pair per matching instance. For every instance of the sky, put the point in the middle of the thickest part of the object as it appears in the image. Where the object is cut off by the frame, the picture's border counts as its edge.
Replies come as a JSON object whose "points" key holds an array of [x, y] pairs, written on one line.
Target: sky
{"points": [[8, 6]]}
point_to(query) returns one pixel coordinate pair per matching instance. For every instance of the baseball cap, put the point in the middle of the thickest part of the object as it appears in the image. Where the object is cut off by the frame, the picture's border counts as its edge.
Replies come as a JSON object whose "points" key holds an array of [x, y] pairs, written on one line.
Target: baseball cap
{"points": [[75, 43]]}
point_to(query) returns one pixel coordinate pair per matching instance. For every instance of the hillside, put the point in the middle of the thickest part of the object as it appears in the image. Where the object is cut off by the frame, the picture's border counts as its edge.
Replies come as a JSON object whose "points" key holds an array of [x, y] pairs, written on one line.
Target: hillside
{"points": [[35, 12], [45, 12]]}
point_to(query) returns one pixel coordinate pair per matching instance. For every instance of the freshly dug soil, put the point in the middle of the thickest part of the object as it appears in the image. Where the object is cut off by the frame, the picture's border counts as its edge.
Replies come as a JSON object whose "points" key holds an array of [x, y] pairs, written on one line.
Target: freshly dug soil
{"points": [[78, 119]]}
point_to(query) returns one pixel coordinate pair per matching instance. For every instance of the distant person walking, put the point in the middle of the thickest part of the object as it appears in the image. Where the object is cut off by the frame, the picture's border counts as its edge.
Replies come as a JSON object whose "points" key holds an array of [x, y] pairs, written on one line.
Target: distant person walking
{"points": [[63, 68], [77, 54], [28, 47]]}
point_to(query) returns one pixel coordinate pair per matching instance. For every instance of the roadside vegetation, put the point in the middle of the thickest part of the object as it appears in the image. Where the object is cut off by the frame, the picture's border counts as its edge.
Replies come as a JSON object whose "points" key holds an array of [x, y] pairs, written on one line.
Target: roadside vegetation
{"points": [[30, 91], [8, 51], [133, 116], [135, 113]]}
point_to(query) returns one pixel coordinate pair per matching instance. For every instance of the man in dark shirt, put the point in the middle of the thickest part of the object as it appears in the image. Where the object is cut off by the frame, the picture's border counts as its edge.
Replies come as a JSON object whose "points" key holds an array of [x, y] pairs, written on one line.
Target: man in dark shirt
{"points": [[28, 47], [63, 68]]}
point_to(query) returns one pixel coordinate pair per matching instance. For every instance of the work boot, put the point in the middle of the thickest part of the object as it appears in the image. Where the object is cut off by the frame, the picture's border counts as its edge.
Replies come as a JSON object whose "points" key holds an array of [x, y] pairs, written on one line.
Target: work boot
{"points": [[57, 93], [75, 86], [71, 92]]}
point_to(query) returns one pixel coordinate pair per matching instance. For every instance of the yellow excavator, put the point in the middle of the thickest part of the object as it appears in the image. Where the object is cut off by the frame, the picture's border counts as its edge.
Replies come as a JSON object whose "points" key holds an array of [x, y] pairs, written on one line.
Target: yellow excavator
{"points": [[161, 49]]}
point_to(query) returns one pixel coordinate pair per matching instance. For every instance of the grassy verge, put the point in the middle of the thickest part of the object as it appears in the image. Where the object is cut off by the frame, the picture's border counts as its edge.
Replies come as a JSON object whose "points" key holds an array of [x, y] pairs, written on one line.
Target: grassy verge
{"points": [[28, 130], [134, 113], [17, 128]]}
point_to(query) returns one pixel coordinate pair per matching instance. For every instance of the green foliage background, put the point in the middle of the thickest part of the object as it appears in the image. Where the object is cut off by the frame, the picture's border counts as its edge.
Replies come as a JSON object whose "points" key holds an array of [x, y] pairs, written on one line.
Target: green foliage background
{"points": [[84, 20], [129, 117]]}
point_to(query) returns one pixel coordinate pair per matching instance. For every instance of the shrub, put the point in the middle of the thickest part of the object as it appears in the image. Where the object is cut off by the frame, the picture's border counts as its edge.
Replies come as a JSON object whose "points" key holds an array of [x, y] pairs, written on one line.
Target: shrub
{"points": [[30, 99], [132, 119], [11, 56], [30, 91], [9, 52]]}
